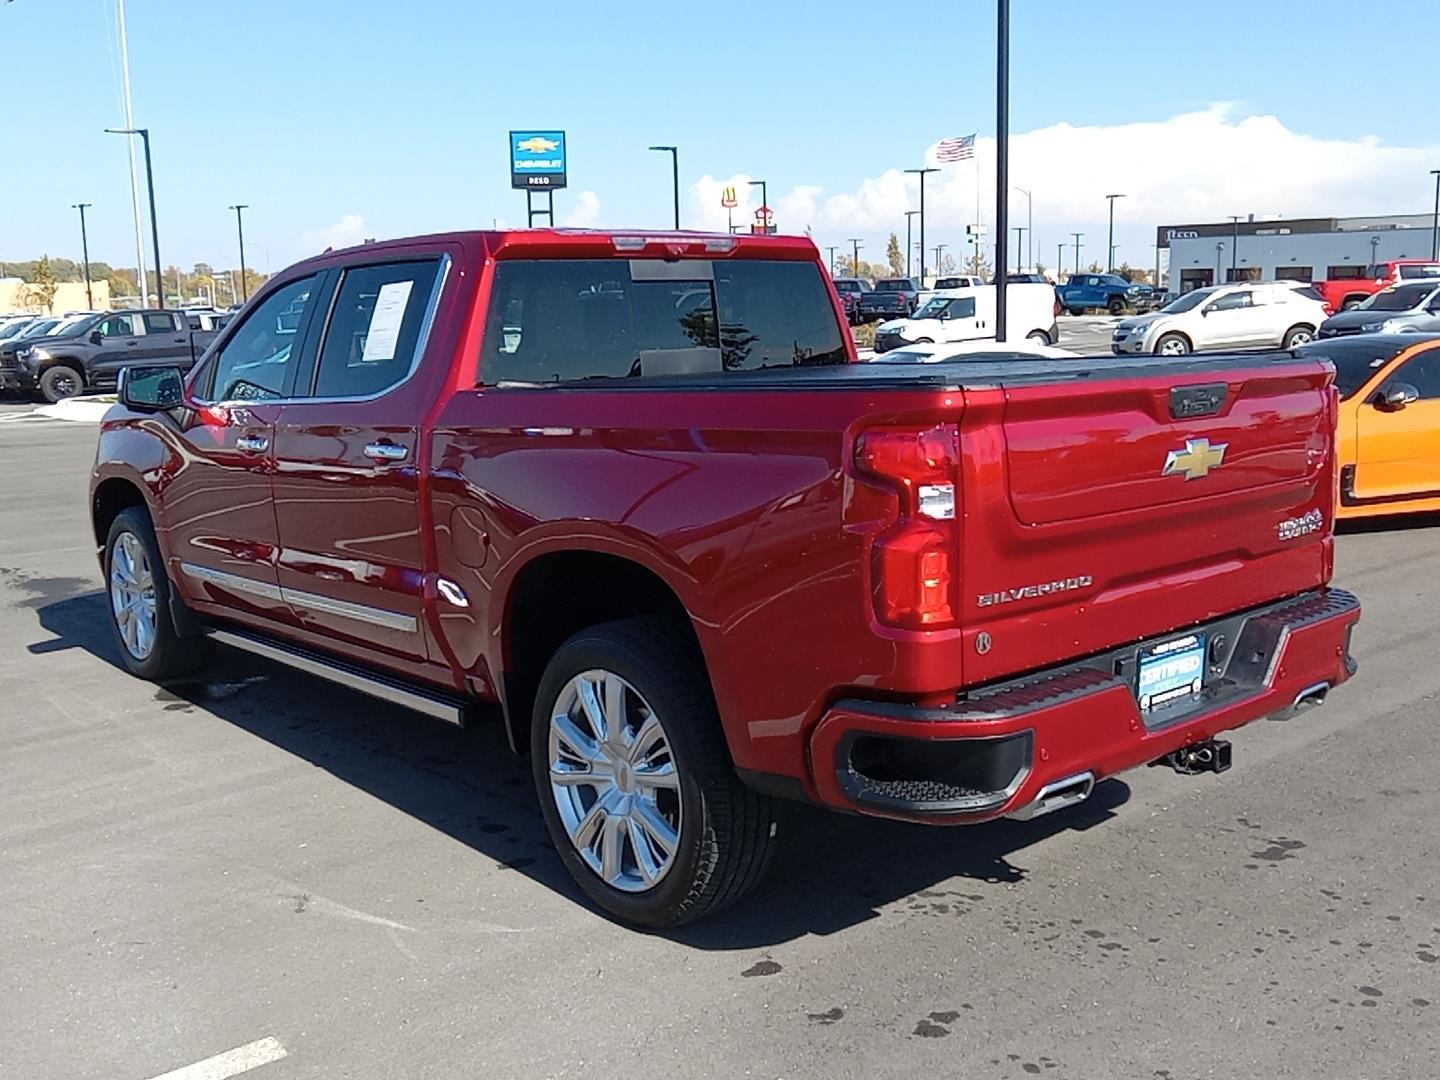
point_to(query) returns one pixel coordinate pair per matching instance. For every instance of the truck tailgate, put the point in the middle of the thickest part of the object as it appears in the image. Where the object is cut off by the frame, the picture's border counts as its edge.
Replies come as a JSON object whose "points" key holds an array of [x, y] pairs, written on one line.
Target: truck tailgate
{"points": [[1102, 512]]}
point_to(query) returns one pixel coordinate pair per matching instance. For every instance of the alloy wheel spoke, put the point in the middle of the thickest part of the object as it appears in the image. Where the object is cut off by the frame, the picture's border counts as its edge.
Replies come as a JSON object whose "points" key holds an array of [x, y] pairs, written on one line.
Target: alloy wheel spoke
{"points": [[661, 777], [594, 711], [645, 860], [613, 845], [616, 725], [659, 831], [573, 740], [646, 738]]}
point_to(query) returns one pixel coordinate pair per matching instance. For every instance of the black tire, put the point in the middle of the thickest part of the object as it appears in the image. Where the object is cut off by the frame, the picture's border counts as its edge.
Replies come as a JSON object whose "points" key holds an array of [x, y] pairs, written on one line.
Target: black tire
{"points": [[1075, 310], [1297, 335], [924, 341], [59, 382], [726, 835], [1040, 337], [1115, 306], [1351, 303], [1173, 345], [171, 654]]}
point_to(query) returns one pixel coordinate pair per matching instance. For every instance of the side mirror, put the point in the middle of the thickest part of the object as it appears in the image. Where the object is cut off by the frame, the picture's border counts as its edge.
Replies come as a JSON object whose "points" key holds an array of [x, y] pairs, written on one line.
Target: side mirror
{"points": [[151, 389], [95, 338], [944, 316], [1395, 397]]}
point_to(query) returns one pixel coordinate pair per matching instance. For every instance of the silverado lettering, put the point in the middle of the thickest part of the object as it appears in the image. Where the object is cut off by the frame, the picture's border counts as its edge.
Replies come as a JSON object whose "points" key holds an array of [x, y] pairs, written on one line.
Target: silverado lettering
{"points": [[633, 499]]}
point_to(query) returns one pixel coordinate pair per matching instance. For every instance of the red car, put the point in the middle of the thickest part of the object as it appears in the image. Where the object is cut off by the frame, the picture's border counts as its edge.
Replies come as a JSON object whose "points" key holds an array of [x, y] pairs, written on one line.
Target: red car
{"points": [[1343, 294], [631, 495]]}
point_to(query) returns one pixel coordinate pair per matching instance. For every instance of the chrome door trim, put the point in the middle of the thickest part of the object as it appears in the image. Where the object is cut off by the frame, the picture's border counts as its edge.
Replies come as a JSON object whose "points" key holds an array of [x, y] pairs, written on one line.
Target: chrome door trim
{"points": [[233, 582], [389, 620]]}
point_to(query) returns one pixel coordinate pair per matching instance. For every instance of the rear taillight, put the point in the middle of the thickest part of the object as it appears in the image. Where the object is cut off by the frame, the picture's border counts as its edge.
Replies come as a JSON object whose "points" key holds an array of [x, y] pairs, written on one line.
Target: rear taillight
{"points": [[913, 583]]}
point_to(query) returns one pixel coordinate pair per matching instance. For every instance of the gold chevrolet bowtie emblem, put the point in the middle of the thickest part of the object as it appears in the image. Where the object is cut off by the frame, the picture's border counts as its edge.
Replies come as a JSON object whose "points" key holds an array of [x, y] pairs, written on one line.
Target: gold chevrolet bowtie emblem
{"points": [[1196, 460], [536, 145]]}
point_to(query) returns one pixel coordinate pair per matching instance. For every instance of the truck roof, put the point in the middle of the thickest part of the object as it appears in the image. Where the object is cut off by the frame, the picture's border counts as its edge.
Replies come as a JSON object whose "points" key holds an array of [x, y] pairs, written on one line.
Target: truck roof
{"points": [[595, 244]]}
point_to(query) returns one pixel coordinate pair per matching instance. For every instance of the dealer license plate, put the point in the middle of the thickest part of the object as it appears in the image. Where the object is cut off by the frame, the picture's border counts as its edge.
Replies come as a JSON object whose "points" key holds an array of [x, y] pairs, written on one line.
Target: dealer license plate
{"points": [[1171, 670]]}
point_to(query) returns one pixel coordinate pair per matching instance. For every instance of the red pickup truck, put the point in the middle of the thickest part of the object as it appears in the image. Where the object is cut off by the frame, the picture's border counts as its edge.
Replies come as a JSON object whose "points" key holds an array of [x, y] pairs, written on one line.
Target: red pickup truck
{"points": [[632, 495], [1345, 293]]}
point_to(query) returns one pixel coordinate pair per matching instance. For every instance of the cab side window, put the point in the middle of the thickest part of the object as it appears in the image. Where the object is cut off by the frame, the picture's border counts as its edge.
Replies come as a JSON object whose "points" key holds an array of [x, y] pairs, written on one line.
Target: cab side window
{"points": [[157, 322], [1421, 372], [255, 362], [117, 326], [375, 328]]}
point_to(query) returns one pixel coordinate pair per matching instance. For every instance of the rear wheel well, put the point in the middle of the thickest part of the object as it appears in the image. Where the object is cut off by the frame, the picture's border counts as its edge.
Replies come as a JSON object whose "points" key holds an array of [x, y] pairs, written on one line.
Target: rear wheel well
{"points": [[558, 595], [111, 497]]}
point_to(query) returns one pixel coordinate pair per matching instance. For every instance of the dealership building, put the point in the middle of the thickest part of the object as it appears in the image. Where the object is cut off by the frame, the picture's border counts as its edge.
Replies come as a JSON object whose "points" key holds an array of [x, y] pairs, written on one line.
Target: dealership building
{"points": [[1293, 249]]}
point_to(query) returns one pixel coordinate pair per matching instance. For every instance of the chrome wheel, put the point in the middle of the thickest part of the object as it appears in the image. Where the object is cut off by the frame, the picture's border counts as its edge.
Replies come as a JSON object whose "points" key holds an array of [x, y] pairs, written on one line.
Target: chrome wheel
{"points": [[1173, 347], [613, 779], [132, 595], [1299, 337]]}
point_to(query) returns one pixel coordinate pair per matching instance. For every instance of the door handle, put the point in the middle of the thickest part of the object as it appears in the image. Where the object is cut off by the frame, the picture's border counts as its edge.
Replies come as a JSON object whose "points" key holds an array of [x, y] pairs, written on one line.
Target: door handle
{"points": [[252, 444], [384, 451]]}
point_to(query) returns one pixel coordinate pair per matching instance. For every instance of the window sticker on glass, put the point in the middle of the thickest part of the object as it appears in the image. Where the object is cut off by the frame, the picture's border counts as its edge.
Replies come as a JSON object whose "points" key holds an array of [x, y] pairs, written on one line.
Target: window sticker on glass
{"points": [[385, 321]]}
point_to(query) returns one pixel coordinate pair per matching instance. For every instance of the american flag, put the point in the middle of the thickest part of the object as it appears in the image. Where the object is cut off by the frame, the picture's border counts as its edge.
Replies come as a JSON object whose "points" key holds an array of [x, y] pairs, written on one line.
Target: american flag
{"points": [[958, 149]]}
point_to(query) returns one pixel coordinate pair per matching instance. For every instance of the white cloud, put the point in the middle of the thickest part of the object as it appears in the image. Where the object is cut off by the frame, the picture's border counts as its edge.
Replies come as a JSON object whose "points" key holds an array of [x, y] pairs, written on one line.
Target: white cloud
{"points": [[585, 213], [1199, 166], [347, 232]]}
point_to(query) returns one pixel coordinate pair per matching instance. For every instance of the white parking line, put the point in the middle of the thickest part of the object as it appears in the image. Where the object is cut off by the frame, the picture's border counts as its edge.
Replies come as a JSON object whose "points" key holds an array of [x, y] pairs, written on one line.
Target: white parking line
{"points": [[231, 1063]]}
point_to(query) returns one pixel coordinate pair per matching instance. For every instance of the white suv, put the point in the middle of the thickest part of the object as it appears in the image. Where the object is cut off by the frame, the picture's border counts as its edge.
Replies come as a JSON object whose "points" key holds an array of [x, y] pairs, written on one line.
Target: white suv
{"points": [[1243, 315]]}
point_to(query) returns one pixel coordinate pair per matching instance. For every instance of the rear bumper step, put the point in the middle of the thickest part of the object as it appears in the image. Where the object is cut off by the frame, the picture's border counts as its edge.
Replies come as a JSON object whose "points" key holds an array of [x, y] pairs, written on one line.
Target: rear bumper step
{"points": [[1022, 748]]}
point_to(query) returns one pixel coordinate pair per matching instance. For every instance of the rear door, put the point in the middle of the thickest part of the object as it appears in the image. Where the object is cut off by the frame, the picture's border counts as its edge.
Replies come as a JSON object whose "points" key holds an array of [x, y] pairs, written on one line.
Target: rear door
{"points": [[347, 459], [1398, 451], [220, 517]]}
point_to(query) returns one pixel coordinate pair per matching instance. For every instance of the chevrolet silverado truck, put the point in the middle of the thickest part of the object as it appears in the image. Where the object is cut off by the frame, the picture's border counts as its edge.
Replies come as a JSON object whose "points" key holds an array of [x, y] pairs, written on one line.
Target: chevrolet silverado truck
{"points": [[1110, 292], [1348, 293], [632, 497], [89, 355], [892, 298]]}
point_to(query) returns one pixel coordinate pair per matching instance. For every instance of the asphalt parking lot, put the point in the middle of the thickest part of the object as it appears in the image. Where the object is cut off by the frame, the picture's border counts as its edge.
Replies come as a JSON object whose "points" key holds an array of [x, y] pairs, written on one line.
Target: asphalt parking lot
{"points": [[262, 863]]}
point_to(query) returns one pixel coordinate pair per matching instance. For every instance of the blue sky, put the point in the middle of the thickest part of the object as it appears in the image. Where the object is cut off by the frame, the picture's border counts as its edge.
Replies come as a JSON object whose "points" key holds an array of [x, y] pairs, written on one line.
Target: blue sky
{"points": [[339, 120]]}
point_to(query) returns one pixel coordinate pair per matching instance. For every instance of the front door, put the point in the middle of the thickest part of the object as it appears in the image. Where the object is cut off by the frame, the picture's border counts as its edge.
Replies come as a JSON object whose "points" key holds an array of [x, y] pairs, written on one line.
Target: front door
{"points": [[348, 463], [1227, 321], [1398, 451], [219, 513]]}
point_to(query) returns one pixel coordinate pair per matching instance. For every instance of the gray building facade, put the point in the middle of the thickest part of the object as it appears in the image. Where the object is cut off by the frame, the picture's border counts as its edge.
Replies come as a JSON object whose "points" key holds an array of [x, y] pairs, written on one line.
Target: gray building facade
{"points": [[1294, 249]]}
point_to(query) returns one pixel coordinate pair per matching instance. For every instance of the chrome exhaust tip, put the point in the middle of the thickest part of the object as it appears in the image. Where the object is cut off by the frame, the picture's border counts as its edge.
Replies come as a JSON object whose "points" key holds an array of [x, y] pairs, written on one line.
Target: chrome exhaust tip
{"points": [[1308, 698], [1057, 796]]}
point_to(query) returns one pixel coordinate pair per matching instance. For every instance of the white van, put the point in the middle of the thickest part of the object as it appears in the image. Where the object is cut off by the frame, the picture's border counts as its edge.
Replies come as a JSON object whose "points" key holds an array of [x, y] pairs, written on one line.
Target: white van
{"points": [[969, 315]]}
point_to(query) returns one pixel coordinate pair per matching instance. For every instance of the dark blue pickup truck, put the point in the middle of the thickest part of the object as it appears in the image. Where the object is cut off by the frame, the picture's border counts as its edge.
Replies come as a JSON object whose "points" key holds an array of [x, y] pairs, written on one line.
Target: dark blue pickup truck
{"points": [[1110, 292], [893, 298]]}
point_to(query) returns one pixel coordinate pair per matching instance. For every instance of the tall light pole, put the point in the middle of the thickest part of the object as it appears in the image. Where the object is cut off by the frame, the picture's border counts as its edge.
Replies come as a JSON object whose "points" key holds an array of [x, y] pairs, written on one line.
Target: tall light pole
{"points": [[939, 250], [1219, 254], [1019, 246], [909, 216], [240, 228], [922, 173], [144, 134], [1435, 221], [831, 249], [85, 254], [1078, 236], [1374, 248], [1029, 224], [674, 177], [130, 146], [1002, 159], [855, 256], [1234, 243], [1059, 259], [1111, 241]]}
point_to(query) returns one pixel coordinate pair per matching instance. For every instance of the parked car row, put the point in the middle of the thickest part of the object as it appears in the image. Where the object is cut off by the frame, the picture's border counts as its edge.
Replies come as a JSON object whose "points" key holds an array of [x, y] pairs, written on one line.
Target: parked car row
{"points": [[57, 358]]}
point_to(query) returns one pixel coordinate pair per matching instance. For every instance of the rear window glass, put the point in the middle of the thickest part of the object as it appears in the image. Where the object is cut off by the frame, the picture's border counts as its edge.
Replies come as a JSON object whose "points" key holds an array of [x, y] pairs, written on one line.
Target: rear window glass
{"points": [[894, 285], [554, 320], [1419, 271]]}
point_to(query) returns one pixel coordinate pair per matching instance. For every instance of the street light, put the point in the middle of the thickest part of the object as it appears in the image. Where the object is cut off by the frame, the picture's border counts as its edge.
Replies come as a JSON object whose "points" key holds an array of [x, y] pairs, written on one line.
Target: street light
{"points": [[831, 249], [1019, 246], [240, 228], [85, 253], [855, 256], [144, 134], [939, 249], [908, 215], [921, 173], [1435, 221], [1059, 258], [1029, 224], [674, 177], [1111, 241], [1234, 243], [1078, 236], [1219, 254], [764, 198], [1374, 247]]}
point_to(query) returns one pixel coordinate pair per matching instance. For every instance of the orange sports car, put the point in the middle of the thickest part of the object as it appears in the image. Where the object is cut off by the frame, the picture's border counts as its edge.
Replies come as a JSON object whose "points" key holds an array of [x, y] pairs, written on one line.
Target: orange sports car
{"points": [[1389, 445]]}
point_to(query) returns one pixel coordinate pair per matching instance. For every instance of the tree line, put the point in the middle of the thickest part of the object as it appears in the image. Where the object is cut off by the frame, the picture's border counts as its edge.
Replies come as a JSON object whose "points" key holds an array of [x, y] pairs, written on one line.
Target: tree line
{"points": [[201, 282]]}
